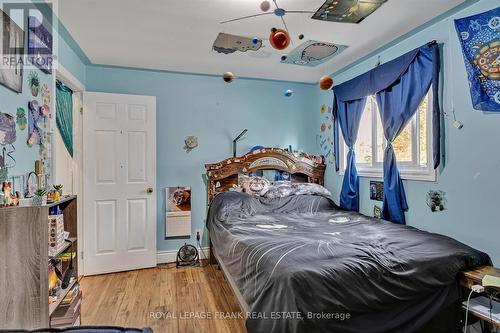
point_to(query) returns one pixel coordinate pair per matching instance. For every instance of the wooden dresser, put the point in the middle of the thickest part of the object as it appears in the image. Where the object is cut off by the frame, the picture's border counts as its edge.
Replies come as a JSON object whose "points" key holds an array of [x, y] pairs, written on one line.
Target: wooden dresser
{"points": [[24, 263]]}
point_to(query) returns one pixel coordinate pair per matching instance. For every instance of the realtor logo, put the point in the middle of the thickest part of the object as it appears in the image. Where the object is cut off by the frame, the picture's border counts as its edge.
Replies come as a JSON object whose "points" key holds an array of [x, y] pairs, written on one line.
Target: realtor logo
{"points": [[27, 36]]}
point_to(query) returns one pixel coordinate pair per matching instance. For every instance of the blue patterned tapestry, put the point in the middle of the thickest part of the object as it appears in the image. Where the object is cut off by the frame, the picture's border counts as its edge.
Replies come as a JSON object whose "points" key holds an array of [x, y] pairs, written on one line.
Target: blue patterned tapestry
{"points": [[480, 38]]}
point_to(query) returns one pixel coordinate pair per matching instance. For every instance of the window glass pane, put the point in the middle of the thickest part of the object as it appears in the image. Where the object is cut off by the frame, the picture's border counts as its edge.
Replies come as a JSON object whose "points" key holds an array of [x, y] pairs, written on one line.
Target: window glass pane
{"points": [[363, 146], [381, 141], [422, 131], [403, 144]]}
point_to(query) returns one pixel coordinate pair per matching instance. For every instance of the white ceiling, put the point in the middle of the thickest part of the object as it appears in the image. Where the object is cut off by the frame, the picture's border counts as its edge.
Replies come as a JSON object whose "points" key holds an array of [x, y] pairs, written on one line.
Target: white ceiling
{"points": [[177, 35]]}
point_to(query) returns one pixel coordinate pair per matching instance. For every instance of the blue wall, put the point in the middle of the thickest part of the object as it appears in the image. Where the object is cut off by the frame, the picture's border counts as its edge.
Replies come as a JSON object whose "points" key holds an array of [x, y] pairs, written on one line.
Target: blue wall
{"points": [[470, 176], [216, 112], [9, 102], [70, 60]]}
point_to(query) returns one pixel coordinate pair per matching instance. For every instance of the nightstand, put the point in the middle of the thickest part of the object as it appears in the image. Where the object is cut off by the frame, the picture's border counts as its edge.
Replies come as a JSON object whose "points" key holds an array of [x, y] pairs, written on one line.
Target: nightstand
{"points": [[475, 277]]}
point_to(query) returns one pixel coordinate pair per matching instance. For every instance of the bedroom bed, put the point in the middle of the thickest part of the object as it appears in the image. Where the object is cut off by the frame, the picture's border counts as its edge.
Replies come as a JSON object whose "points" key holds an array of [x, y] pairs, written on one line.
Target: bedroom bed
{"points": [[299, 263]]}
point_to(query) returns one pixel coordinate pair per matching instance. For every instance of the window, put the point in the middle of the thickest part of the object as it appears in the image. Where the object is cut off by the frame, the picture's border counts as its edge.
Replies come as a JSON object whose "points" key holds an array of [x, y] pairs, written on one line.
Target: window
{"points": [[413, 146]]}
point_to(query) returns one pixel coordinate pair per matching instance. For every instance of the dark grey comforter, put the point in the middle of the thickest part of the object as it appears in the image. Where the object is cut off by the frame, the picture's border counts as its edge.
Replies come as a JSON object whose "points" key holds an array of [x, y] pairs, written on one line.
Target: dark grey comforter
{"points": [[302, 268]]}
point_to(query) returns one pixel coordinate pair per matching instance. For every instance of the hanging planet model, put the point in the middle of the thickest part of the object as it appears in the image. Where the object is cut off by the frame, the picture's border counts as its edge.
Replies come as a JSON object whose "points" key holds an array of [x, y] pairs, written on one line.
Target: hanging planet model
{"points": [[228, 77], [288, 93], [265, 6], [279, 39], [326, 82]]}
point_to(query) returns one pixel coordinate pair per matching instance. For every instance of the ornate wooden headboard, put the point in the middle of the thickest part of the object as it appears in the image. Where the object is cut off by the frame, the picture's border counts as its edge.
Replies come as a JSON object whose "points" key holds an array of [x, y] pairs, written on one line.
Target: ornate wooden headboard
{"points": [[302, 167]]}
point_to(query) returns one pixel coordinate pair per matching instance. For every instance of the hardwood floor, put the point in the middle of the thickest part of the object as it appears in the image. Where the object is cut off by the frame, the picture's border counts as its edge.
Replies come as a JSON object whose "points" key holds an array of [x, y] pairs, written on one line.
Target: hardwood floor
{"points": [[167, 299]]}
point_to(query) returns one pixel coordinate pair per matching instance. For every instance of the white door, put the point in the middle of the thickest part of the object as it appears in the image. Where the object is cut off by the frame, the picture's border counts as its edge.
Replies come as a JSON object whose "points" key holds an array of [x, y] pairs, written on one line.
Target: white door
{"points": [[119, 171]]}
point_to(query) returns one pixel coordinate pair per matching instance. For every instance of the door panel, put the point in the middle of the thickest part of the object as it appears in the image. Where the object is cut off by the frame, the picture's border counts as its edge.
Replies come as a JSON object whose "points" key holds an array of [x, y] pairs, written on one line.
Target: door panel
{"points": [[105, 219], [136, 157], [136, 217], [105, 157], [119, 167]]}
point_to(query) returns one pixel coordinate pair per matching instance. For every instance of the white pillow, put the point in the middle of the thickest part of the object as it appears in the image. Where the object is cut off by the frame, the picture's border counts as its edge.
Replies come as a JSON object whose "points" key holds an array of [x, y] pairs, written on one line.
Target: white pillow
{"points": [[255, 185], [310, 188]]}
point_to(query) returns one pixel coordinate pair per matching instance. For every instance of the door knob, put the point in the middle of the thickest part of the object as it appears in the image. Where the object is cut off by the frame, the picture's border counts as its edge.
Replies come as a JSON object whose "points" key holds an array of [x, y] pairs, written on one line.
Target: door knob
{"points": [[149, 190]]}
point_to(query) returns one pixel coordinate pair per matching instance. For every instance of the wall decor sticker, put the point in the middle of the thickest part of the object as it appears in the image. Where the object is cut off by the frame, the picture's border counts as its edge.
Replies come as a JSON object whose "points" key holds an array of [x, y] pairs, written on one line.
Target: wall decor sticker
{"points": [[227, 43], [7, 129], [377, 190], [11, 48], [7, 139], [40, 45], [45, 153], [46, 94], [377, 212], [34, 131], [34, 83], [190, 143], [480, 40], [178, 215], [436, 200], [21, 119], [326, 134], [313, 53]]}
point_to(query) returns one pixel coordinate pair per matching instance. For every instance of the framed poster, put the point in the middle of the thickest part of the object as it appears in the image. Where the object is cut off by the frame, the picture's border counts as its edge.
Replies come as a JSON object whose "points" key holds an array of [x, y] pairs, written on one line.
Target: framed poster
{"points": [[178, 214], [11, 52], [376, 191]]}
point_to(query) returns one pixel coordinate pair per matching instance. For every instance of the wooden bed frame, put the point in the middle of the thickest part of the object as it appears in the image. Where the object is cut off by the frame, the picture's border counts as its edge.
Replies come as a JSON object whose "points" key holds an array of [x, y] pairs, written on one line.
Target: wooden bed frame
{"points": [[302, 167]]}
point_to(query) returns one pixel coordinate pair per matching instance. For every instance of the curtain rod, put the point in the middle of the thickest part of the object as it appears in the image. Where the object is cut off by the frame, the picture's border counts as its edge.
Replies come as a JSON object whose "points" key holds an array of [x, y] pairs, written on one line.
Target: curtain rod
{"points": [[378, 63]]}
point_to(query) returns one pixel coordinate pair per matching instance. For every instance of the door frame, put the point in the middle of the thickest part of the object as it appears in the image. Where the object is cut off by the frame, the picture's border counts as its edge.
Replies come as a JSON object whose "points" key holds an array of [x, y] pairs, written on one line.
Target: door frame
{"points": [[85, 181], [65, 76]]}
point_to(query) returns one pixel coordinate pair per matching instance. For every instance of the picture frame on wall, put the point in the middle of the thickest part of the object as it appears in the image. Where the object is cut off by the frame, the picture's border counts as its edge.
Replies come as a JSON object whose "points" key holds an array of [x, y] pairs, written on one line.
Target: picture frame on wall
{"points": [[178, 214], [376, 191], [40, 45], [11, 53]]}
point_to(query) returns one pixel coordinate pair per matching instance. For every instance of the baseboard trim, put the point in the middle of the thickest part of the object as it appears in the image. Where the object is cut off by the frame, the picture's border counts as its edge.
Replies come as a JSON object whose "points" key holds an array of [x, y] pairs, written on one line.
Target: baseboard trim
{"points": [[164, 257]]}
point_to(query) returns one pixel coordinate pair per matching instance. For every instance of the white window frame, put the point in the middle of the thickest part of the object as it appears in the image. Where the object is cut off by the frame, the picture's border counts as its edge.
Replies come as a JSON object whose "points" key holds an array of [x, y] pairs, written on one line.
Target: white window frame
{"points": [[407, 170]]}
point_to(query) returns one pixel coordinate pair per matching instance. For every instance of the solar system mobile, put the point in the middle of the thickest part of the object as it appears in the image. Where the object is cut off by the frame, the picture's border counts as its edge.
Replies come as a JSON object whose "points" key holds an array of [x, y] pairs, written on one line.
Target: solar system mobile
{"points": [[310, 52]]}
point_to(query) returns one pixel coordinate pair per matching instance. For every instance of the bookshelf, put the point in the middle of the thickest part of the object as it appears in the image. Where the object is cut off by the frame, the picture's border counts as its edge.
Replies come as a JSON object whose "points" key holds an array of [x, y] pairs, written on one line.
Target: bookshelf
{"points": [[24, 265]]}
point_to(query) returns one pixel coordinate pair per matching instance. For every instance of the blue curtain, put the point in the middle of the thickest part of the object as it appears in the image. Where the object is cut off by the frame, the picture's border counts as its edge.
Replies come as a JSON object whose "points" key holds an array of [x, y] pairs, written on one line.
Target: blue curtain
{"points": [[64, 114], [384, 76], [397, 104], [400, 86], [347, 116]]}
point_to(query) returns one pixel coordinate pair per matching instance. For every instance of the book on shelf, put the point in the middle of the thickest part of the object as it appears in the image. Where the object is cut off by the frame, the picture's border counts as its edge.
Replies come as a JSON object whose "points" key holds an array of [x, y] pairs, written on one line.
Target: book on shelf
{"points": [[68, 312], [66, 256]]}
